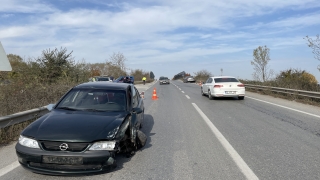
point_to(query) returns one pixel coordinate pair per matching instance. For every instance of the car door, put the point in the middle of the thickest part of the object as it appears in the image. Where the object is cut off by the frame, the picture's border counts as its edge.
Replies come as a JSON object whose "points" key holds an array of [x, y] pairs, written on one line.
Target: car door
{"points": [[205, 86], [137, 102]]}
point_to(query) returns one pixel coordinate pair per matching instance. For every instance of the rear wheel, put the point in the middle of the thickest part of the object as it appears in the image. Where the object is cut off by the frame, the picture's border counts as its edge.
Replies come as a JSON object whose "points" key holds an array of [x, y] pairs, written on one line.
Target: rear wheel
{"points": [[202, 92], [209, 95], [241, 97]]}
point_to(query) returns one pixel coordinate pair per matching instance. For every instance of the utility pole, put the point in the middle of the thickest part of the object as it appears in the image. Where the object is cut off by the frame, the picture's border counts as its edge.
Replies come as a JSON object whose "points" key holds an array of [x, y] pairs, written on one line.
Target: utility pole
{"points": [[221, 71]]}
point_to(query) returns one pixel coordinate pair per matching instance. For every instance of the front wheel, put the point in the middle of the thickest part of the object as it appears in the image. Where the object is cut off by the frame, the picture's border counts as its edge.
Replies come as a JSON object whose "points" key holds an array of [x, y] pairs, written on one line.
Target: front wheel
{"points": [[141, 139]]}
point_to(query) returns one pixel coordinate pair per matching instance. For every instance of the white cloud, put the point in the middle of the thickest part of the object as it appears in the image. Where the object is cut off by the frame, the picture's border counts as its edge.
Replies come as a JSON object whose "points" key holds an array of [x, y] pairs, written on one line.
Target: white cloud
{"points": [[25, 6], [159, 32]]}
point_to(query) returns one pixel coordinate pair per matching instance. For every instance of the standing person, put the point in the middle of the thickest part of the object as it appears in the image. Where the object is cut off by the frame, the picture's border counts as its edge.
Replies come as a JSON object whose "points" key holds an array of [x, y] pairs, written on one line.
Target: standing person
{"points": [[144, 80]]}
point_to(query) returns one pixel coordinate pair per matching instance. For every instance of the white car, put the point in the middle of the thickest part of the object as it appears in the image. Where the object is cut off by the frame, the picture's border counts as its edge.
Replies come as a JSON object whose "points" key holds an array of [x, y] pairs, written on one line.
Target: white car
{"points": [[223, 86]]}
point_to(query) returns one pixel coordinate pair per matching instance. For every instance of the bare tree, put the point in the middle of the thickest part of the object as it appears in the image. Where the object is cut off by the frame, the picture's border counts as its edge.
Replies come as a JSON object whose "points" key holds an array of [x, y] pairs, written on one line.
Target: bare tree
{"points": [[314, 44], [202, 75], [114, 70], [261, 58], [138, 74], [118, 59]]}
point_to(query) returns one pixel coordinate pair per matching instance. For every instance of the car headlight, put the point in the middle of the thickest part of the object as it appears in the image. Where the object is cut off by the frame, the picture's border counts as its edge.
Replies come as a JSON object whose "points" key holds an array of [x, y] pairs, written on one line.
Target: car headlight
{"points": [[103, 145], [31, 143]]}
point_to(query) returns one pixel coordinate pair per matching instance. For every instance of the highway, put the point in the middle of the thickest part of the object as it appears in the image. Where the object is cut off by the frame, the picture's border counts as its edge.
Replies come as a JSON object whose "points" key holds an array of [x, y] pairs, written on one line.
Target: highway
{"points": [[192, 137]]}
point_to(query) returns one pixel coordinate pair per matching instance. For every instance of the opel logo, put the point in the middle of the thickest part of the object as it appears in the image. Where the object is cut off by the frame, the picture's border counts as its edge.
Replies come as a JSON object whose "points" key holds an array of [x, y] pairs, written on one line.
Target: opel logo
{"points": [[63, 146]]}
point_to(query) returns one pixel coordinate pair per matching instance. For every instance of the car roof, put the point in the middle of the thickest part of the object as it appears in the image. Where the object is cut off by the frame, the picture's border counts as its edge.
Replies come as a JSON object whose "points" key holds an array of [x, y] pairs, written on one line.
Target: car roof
{"points": [[103, 85], [223, 77]]}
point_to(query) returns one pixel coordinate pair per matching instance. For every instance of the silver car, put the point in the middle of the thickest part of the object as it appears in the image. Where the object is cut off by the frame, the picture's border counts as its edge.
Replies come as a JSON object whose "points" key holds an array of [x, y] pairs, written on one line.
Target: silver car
{"points": [[223, 86], [164, 80], [189, 79]]}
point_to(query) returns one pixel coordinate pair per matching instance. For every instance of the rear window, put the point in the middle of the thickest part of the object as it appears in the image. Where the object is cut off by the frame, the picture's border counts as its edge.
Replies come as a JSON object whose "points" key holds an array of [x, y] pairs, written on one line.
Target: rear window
{"points": [[103, 79], [222, 80]]}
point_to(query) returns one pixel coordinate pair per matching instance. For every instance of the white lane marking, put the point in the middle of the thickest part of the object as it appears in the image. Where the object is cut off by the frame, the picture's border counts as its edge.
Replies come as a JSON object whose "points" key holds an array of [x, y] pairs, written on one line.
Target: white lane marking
{"points": [[187, 96], [9, 168], [179, 89], [285, 107], [245, 169], [182, 91]]}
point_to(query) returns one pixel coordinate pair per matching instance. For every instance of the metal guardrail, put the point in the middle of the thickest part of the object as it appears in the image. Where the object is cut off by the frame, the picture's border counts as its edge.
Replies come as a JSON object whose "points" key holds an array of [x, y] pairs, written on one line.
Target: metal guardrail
{"points": [[16, 118], [309, 94]]}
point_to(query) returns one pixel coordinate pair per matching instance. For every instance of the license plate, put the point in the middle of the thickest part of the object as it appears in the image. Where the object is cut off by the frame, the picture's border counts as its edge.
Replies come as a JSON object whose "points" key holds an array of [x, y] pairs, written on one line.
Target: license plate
{"points": [[230, 92], [62, 160]]}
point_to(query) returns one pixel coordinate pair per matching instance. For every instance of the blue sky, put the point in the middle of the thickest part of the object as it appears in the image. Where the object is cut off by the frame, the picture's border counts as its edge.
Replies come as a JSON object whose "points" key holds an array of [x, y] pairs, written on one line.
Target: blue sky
{"points": [[166, 36]]}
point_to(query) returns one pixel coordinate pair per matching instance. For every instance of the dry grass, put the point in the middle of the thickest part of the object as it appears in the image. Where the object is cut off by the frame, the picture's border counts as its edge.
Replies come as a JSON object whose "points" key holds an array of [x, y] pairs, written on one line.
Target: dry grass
{"points": [[11, 133], [18, 97]]}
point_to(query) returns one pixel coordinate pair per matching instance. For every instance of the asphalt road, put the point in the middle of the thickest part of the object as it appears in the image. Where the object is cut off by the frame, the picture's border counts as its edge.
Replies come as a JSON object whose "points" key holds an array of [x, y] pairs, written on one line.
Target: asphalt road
{"points": [[192, 137]]}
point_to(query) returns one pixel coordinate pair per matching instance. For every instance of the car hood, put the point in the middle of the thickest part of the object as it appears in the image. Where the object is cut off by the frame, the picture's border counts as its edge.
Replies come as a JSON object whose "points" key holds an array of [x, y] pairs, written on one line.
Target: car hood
{"points": [[75, 126]]}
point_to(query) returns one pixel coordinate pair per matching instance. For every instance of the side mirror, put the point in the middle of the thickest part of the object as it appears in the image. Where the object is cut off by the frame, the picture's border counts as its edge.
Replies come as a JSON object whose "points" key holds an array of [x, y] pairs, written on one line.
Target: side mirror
{"points": [[142, 94], [50, 106], [137, 110]]}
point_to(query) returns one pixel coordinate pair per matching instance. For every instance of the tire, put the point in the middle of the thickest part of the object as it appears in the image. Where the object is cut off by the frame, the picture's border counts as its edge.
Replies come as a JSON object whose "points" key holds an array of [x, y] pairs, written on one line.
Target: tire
{"points": [[241, 97], [210, 96], [202, 92], [141, 139]]}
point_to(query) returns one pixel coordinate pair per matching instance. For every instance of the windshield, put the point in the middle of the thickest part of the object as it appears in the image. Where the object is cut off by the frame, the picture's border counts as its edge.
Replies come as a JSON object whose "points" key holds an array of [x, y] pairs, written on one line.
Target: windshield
{"points": [[222, 80], [94, 100]]}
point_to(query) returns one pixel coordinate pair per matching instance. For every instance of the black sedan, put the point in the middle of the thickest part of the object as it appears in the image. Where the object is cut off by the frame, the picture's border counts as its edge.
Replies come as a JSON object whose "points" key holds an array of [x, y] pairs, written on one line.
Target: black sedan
{"points": [[84, 131]]}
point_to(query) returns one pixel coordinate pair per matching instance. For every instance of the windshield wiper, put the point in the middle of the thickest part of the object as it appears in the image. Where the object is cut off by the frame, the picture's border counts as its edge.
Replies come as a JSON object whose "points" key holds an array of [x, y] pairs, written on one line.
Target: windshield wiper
{"points": [[68, 108]]}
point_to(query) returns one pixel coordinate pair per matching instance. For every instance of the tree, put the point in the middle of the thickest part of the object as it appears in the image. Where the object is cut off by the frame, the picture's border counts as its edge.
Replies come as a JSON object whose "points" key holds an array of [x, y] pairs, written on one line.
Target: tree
{"points": [[138, 74], [55, 63], [151, 75], [202, 75], [296, 79], [114, 70], [118, 59], [314, 44], [260, 62]]}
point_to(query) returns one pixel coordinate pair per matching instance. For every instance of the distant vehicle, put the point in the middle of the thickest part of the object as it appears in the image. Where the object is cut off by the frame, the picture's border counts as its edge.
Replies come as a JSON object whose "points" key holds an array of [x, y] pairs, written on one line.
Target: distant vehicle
{"points": [[223, 86], [100, 78], [119, 79], [84, 131], [122, 79], [189, 79], [164, 80], [132, 79]]}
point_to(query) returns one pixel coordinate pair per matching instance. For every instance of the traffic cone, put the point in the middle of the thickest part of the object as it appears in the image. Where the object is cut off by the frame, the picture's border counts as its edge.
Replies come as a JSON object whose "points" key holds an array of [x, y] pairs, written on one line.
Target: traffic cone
{"points": [[154, 95]]}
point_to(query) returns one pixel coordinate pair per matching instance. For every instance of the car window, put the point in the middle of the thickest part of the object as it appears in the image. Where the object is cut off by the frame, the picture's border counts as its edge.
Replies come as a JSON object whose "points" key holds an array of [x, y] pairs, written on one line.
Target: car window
{"points": [[209, 80], [103, 79], [94, 99], [222, 80], [136, 98]]}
